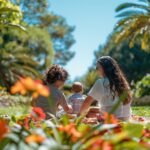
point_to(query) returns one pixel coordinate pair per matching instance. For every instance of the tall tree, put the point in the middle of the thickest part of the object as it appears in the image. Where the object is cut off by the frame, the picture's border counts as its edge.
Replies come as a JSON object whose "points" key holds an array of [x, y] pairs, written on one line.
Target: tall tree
{"points": [[134, 62], [23, 54], [36, 12], [134, 23], [61, 34], [32, 9]]}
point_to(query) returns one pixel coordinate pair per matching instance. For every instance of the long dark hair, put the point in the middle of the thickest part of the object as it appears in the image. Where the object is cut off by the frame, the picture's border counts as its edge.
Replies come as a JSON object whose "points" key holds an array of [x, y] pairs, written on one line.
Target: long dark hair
{"points": [[117, 80]]}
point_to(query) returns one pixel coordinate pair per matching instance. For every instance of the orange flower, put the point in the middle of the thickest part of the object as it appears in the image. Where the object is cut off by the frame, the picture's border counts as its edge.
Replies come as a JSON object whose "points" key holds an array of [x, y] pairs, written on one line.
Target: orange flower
{"points": [[25, 85], [42, 90], [37, 113], [35, 95], [3, 129], [18, 88], [109, 118], [28, 83], [71, 130], [34, 138]]}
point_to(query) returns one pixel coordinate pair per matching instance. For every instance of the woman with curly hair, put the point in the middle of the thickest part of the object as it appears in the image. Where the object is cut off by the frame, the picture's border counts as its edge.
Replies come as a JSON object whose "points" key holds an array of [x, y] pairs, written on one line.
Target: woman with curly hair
{"points": [[55, 78], [109, 88]]}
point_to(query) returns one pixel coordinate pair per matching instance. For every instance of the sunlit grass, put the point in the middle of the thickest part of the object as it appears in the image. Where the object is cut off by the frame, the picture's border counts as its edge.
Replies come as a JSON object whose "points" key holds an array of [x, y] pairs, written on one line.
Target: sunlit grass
{"points": [[15, 110], [22, 109], [141, 110]]}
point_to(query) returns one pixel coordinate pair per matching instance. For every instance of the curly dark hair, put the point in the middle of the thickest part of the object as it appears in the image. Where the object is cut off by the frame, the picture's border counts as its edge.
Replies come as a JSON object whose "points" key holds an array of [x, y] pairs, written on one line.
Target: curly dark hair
{"points": [[55, 73], [117, 80]]}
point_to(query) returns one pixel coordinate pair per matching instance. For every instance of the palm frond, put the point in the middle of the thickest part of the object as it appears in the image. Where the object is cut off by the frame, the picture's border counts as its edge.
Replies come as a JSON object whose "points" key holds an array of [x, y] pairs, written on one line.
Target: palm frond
{"points": [[124, 21], [132, 5], [145, 1], [130, 13]]}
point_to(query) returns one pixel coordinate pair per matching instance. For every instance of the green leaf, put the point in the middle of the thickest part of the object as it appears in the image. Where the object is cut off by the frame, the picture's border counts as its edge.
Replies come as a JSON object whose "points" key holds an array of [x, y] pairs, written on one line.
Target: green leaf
{"points": [[133, 129], [129, 146]]}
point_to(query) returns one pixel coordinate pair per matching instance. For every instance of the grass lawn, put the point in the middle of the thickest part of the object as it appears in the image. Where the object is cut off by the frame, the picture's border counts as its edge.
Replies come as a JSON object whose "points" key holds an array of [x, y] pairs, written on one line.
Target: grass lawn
{"points": [[141, 110], [18, 110], [15, 110]]}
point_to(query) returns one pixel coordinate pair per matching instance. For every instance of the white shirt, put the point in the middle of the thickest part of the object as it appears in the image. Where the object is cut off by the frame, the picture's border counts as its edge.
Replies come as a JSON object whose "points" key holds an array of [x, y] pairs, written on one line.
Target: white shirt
{"points": [[102, 93], [76, 100]]}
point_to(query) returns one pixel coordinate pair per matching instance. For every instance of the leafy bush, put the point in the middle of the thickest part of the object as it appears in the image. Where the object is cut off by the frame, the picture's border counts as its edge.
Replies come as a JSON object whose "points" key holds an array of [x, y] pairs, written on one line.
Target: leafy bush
{"points": [[32, 132], [142, 87], [6, 99], [142, 101]]}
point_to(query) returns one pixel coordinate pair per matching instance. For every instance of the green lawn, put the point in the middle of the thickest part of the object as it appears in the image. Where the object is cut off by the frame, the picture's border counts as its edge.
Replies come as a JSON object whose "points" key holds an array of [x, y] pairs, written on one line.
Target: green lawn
{"points": [[18, 110], [141, 110]]}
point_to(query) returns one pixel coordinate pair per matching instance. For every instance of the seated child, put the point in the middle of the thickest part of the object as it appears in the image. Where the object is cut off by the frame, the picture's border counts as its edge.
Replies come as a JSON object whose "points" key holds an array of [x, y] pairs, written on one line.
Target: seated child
{"points": [[77, 98], [55, 78]]}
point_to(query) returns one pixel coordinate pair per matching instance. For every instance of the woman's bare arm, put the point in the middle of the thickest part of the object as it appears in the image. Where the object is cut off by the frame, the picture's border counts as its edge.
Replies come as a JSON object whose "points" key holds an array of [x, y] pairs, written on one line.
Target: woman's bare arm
{"points": [[86, 104]]}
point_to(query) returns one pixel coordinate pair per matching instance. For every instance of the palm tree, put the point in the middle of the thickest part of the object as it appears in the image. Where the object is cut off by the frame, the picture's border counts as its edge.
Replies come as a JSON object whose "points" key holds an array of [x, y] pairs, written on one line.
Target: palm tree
{"points": [[134, 23]]}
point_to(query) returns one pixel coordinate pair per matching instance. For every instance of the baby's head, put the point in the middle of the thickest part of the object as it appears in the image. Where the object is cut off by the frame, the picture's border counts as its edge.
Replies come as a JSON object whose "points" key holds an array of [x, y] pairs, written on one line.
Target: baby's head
{"points": [[77, 87]]}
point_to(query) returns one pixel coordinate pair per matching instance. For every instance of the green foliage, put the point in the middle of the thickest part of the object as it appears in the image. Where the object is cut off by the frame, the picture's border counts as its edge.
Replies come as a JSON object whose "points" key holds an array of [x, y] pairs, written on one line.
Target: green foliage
{"points": [[142, 101], [15, 49], [134, 24], [36, 12], [141, 110], [32, 9], [30, 53], [61, 34], [15, 110], [142, 87], [10, 15], [133, 61], [89, 79], [7, 100], [65, 134]]}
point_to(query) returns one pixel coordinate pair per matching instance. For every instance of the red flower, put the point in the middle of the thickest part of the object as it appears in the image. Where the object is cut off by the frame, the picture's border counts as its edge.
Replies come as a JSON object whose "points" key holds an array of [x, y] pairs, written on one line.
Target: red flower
{"points": [[3, 129], [37, 113], [146, 133], [26, 123], [107, 146], [145, 144]]}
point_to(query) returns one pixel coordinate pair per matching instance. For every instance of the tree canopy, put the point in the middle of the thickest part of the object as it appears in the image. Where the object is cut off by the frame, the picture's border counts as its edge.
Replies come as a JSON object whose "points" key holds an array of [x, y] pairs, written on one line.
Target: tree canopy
{"points": [[37, 12], [134, 23]]}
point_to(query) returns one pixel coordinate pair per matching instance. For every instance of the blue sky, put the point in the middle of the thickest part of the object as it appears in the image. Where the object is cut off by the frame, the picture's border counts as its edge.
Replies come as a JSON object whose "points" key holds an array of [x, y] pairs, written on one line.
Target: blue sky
{"points": [[93, 21]]}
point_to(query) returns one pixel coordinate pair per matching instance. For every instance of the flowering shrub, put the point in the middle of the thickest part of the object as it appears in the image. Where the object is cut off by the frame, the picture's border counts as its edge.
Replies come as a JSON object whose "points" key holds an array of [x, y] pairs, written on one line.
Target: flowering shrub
{"points": [[32, 131], [27, 85]]}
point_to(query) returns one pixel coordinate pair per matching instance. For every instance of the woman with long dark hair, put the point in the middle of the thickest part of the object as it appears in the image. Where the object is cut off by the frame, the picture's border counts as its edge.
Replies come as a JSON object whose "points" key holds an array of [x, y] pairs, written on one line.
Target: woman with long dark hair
{"points": [[109, 88]]}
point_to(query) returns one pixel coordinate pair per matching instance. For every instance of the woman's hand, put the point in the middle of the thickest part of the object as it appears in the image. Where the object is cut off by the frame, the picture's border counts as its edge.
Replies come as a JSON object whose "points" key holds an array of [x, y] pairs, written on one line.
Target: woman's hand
{"points": [[86, 104], [68, 109]]}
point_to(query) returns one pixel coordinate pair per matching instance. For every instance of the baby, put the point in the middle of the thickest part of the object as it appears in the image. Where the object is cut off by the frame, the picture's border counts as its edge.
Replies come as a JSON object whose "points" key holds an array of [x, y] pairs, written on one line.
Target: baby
{"points": [[77, 98]]}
